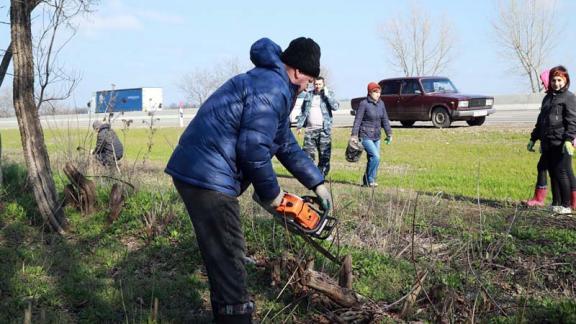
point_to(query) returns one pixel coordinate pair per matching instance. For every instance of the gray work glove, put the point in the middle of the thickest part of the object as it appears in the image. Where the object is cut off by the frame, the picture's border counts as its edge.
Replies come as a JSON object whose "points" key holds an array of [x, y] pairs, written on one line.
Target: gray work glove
{"points": [[270, 205], [324, 195]]}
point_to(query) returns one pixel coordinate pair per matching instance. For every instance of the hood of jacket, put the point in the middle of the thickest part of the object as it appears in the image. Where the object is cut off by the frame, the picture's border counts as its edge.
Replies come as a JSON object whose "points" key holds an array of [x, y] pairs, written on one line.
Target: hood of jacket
{"points": [[103, 127], [265, 53]]}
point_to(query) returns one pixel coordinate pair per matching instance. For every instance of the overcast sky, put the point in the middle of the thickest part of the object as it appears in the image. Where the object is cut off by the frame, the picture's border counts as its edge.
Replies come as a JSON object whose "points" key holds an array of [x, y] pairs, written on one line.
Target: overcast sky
{"points": [[148, 43]]}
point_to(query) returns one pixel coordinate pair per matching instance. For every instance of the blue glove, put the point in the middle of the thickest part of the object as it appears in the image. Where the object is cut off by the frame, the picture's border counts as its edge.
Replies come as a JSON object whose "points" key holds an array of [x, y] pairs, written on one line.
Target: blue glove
{"points": [[530, 146], [388, 140], [568, 148]]}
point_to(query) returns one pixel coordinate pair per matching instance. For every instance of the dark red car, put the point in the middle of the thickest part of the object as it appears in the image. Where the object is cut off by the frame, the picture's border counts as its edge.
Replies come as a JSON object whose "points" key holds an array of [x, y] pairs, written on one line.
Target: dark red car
{"points": [[433, 99]]}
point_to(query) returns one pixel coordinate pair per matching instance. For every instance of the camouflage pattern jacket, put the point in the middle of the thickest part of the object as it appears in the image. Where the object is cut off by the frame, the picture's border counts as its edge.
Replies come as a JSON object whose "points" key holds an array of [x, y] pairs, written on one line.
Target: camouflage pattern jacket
{"points": [[327, 104]]}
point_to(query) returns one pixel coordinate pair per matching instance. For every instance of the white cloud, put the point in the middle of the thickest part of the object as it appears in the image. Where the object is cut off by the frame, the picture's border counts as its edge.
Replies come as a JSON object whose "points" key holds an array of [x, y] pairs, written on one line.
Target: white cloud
{"points": [[101, 23], [116, 16]]}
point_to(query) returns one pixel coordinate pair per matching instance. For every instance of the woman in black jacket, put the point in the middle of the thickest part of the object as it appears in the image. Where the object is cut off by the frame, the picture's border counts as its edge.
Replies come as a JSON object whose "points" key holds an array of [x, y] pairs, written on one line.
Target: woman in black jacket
{"points": [[556, 130], [370, 118]]}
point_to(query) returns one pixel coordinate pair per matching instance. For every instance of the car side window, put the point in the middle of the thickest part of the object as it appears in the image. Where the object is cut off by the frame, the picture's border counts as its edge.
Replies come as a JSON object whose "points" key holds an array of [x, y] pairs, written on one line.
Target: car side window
{"points": [[428, 85], [390, 87], [410, 87]]}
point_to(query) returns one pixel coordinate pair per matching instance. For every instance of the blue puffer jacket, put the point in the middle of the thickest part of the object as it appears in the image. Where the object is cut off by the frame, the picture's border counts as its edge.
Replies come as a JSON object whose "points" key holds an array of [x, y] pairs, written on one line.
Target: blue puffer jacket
{"points": [[239, 128]]}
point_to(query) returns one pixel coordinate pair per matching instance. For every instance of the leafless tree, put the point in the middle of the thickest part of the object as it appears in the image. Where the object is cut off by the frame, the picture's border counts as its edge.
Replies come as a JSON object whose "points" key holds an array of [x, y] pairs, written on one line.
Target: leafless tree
{"points": [[199, 84], [25, 105], [418, 46], [55, 84], [525, 30]]}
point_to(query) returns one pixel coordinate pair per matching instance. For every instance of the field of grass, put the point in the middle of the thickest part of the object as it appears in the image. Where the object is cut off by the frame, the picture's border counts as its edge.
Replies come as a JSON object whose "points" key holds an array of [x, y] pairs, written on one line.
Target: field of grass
{"points": [[475, 162], [445, 207]]}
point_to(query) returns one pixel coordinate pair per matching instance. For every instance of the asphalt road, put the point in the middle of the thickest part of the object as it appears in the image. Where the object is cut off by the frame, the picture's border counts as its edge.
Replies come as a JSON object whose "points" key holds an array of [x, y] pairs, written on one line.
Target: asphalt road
{"points": [[520, 117], [170, 118]]}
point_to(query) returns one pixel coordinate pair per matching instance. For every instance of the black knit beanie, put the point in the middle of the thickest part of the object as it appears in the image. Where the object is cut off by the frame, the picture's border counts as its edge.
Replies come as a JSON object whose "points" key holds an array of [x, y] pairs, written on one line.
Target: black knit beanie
{"points": [[303, 54]]}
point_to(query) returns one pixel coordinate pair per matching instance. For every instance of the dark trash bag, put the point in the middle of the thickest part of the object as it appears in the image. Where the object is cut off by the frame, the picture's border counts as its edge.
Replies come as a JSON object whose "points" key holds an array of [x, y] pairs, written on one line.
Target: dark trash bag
{"points": [[354, 151]]}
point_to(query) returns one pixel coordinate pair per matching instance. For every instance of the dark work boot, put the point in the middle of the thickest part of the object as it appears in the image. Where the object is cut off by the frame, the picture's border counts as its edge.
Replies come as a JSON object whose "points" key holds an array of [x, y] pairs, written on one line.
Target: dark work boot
{"points": [[232, 314], [539, 197], [233, 319]]}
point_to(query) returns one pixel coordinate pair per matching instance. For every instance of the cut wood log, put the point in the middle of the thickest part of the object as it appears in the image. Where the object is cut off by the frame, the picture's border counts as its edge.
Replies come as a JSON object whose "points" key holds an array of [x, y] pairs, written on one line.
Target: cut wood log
{"points": [[323, 283], [340, 304], [81, 190]]}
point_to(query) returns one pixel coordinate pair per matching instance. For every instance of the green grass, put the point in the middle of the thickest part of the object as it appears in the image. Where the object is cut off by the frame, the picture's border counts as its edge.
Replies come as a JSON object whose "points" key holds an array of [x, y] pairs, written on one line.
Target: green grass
{"points": [[93, 270], [470, 161], [486, 162]]}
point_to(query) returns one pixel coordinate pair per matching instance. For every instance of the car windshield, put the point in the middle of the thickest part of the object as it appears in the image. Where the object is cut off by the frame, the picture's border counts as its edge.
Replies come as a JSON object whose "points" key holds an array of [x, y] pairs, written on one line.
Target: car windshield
{"points": [[438, 85]]}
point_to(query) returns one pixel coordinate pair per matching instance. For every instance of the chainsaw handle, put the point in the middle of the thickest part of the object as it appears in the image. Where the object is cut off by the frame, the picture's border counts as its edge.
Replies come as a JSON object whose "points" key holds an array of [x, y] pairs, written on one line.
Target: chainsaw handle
{"points": [[316, 203], [327, 222]]}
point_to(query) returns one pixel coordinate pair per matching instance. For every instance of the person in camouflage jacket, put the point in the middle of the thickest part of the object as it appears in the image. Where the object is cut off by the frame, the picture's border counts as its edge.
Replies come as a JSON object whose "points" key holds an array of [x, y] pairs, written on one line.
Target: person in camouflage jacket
{"points": [[316, 114]]}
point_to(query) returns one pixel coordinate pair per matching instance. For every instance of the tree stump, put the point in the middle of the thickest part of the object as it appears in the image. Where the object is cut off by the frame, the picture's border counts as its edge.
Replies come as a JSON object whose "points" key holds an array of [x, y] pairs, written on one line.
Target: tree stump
{"points": [[116, 203], [81, 192], [345, 277]]}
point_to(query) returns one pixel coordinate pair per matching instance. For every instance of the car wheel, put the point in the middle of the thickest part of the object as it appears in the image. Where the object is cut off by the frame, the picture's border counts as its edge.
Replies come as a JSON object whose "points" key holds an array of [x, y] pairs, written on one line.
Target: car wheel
{"points": [[441, 118], [476, 121], [407, 123]]}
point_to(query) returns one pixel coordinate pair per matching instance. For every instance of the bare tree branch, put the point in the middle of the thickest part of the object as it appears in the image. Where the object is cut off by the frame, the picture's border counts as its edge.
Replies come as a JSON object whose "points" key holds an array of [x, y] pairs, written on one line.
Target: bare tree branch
{"points": [[56, 14], [199, 84], [525, 31], [418, 47], [5, 63]]}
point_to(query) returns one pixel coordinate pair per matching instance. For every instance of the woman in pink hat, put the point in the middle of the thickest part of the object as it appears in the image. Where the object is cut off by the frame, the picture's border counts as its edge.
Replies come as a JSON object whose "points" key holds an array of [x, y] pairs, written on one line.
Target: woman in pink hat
{"points": [[542, 178]]}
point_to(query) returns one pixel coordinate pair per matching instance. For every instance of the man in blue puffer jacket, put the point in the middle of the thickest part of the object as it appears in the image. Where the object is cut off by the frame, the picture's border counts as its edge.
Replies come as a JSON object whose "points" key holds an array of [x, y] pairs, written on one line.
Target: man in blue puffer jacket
{"points": [[228, 146]]}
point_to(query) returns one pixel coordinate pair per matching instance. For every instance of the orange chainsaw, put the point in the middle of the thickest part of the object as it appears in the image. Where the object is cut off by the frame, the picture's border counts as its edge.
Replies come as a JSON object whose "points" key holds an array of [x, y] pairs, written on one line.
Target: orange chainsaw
{"points": [[305, 217]]}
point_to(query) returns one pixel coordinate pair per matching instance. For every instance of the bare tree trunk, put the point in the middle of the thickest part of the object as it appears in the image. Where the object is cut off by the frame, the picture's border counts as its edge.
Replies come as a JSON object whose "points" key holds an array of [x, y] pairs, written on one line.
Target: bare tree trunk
{"points": [[35, 152]]}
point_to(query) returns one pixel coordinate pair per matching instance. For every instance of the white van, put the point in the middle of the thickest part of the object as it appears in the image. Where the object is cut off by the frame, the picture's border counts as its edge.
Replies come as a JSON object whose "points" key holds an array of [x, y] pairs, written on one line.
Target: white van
{"points": [[297, 109]]}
